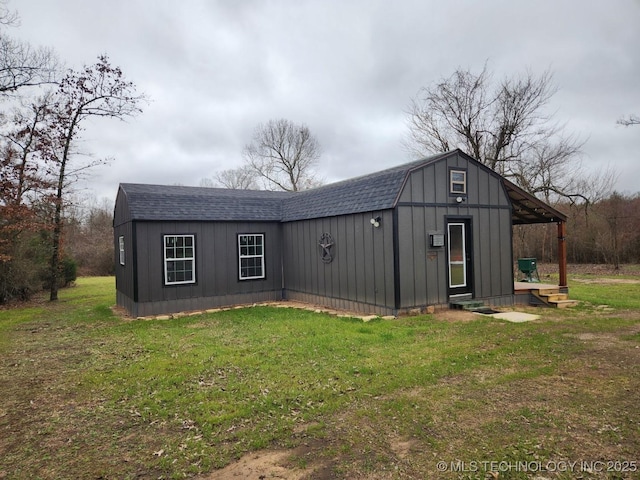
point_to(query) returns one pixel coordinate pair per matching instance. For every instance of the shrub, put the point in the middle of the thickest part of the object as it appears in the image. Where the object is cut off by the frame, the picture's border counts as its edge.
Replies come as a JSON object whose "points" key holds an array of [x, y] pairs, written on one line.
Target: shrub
{"points": [[69, 271], [19, 277]]}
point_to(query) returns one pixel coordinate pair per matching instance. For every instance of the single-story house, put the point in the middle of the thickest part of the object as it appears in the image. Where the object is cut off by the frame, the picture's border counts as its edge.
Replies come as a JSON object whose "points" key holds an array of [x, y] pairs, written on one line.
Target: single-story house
{"points": [[415, 235]]}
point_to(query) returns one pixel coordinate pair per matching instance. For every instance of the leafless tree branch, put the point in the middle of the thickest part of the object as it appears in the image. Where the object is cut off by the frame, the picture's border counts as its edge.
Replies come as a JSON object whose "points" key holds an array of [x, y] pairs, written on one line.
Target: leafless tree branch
{"points": [[242, 178], [22, 65], [628, 121], [504, 125], [283, 154]]}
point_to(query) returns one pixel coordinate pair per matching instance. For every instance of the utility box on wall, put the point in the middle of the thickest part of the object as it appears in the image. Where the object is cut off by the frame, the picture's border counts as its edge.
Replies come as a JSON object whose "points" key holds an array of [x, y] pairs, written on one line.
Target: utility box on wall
{"points": [[436, 239]]}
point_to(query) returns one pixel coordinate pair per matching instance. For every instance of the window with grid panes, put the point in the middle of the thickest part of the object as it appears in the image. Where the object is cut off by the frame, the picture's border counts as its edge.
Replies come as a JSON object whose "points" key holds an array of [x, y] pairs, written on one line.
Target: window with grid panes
{"points": [[179, 259], [251, 256]]}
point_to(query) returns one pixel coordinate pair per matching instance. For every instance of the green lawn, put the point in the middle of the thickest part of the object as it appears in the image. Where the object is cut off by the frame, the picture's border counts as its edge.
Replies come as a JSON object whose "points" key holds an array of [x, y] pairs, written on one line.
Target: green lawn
{"points": [[87, 394]]}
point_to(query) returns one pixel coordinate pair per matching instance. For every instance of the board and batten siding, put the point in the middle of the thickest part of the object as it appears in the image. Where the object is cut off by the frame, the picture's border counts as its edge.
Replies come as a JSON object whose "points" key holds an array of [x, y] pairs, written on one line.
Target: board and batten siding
{"points": [[125, 274], [217, 272], [425, 206], [360, 276]]}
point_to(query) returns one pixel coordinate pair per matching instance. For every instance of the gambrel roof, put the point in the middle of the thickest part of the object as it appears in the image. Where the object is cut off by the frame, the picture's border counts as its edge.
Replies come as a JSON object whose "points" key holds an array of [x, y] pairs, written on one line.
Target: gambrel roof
{"points": [[368, 193]]}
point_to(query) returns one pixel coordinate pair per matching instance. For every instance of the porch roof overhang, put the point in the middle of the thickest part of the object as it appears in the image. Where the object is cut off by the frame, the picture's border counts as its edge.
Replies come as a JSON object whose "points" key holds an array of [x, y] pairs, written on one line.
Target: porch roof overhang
{"points": [[527, 209]]}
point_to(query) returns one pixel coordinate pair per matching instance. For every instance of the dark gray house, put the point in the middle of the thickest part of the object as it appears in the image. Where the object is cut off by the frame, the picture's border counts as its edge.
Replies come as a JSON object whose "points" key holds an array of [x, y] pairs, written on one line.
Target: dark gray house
{"points": [[415, 235]]}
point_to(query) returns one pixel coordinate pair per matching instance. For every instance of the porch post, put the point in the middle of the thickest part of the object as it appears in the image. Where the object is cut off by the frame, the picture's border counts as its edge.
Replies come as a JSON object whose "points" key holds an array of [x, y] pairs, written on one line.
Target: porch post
{"points": [[562, 254]]}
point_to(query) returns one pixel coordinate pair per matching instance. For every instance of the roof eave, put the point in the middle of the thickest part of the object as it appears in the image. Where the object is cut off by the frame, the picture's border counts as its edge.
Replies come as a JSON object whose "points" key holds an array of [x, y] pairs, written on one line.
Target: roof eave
{"points": [[528, 209]]}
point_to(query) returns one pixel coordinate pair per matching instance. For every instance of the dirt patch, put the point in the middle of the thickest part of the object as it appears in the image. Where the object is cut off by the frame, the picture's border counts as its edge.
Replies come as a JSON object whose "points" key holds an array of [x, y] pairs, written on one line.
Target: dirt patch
{"points": [[260, 465], [607, 281], [613, 342], [403, 447], [307, 461], [591, 269], [456, 316]]}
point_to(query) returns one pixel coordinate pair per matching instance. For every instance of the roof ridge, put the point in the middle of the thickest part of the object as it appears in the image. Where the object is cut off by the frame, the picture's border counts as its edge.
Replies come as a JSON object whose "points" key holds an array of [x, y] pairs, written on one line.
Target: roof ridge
{"points": [[407, 166], [366, 193]]}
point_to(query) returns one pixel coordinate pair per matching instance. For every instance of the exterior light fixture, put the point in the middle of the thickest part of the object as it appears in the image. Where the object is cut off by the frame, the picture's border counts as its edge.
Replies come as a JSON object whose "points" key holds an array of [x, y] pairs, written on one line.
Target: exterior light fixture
{"points": [[375, 221]]}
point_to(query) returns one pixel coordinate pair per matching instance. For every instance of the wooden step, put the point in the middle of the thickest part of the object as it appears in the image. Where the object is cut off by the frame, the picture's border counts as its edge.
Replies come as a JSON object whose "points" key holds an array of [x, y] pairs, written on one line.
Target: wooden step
{"points": [[547, 291], [563, 303], [553, 298]]}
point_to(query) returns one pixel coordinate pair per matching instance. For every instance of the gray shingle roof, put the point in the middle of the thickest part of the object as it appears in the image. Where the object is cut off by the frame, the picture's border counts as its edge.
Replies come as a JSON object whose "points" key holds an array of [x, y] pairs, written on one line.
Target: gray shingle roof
{"points": [[177, 203], [376, 191]]}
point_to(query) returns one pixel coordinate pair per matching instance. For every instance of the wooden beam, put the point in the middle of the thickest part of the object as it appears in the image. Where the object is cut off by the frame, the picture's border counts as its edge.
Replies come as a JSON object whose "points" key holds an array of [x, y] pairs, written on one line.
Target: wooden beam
{"points": [[562, 253]]}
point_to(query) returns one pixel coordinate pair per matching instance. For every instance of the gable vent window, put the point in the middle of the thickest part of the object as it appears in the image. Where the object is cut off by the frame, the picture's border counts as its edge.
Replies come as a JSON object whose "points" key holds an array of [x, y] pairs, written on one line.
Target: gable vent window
{"points": [[251, 256], [179, 259], [458, 182]]}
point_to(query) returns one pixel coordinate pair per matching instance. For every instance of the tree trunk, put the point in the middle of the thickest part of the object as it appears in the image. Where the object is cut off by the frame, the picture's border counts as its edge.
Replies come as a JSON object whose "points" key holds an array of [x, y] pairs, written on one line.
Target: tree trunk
{"points": [[57, 220], [57, 234], [562, 254]]}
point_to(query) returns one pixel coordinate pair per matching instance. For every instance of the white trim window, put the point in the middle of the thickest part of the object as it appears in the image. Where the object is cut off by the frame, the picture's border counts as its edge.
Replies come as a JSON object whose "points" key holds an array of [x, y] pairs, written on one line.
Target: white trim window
{"points": [[250, 256], [458, 182], [121, 248], [179, 259]]}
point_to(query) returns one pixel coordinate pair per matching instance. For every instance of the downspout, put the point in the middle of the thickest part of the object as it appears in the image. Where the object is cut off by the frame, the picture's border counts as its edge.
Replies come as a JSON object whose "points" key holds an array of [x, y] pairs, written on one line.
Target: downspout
{"points": [[283, 280], [396, 261]]}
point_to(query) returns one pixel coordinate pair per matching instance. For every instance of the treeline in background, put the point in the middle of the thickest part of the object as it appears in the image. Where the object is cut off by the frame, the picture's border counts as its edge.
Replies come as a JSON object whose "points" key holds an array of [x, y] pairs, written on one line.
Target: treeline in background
{"points": [[606, 232]]}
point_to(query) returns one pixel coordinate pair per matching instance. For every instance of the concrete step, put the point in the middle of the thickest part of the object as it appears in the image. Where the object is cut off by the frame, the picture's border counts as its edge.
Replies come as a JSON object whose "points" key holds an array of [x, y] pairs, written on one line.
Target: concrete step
{"points": [[466, 304]]}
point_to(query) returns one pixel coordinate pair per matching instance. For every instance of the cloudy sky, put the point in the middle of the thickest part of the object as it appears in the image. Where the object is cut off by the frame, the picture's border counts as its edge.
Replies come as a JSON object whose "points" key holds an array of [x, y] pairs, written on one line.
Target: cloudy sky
{"points": [[214, 69]]}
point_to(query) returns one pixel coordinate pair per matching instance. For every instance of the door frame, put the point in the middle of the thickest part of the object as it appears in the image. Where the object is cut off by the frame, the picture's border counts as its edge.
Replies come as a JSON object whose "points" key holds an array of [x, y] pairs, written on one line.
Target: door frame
{"points": [[468, 288]]}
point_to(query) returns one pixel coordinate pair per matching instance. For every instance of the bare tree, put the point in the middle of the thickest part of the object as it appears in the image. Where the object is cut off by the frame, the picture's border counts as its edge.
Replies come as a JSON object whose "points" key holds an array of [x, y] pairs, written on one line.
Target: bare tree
{"points": [[29, 125], [98, 90], [628, 121], [503, 125], [22, 65], [242, 178], [283, 155], [7, 17]]}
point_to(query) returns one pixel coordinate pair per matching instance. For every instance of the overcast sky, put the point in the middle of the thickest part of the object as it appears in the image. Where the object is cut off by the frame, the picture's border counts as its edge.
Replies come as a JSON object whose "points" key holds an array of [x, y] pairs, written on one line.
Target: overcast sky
{"points": [[215, 69]]}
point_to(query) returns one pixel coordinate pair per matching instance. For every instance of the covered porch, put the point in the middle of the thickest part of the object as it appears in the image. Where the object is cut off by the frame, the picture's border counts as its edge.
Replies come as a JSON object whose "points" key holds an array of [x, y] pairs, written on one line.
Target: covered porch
{"points": [[527, 210]]}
